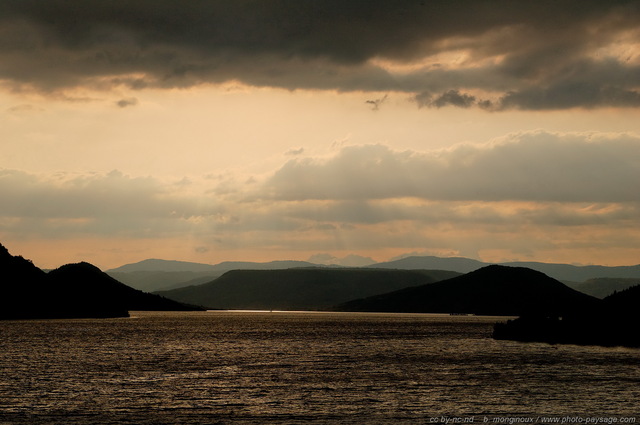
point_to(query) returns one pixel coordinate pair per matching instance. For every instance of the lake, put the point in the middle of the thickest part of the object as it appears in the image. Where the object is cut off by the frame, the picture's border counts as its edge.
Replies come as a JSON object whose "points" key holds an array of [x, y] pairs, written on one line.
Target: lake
{"points": [[303, 367]]}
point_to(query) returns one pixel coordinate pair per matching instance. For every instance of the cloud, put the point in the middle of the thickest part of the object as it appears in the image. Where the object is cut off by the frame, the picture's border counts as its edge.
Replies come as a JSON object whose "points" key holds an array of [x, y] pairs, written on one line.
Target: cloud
{"points": [[23, 109], [537, 166], [528, 55], [449, 98], [322, 259], [104, 204], [571, 95], [294, 152], [123, 103], [530, 192], [351, 260]]}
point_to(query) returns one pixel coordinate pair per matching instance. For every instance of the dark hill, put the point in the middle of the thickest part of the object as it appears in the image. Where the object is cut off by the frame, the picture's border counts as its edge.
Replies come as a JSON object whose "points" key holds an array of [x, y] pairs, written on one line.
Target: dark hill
{"points": [[615, 322], [300, 288], [625, 302], [71, 291], [491, 290], [84, 280], [20, 279], [16, 269]]}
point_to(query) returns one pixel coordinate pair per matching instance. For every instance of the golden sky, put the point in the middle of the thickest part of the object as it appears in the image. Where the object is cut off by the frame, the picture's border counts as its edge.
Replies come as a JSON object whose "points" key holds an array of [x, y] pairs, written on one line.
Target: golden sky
{"points": [[257, 131]]}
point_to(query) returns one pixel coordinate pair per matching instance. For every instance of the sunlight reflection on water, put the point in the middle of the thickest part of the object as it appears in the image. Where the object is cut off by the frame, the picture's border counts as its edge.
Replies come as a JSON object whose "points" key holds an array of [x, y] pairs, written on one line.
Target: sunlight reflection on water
{"points": [[288, 367]]}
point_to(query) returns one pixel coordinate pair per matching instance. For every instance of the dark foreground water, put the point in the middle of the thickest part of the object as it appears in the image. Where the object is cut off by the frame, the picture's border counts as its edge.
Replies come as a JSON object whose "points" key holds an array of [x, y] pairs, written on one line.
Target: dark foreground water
{"points": [[250, 367]]}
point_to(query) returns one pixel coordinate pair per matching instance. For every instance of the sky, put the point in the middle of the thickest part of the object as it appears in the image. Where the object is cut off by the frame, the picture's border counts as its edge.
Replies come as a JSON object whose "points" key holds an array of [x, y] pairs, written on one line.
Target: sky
{"points": [[341, 132]]}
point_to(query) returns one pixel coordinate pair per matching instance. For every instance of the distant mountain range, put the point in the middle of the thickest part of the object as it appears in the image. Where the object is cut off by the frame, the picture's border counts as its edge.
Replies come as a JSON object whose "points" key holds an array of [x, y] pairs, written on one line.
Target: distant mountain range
{"points": [[456, 264], [156, 275], [604, 286], [71, 291], [151, 281], [549, 310], [155, 265], [160, 275], [299, 288], [557, 271]]}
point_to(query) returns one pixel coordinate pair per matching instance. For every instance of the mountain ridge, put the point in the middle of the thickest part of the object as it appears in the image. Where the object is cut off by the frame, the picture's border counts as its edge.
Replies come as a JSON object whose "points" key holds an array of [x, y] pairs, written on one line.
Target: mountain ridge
{"points": [[298, 288], [154, 264], [558, 271], [492, 290], [157, 275], [614, 323], [78, 290]]}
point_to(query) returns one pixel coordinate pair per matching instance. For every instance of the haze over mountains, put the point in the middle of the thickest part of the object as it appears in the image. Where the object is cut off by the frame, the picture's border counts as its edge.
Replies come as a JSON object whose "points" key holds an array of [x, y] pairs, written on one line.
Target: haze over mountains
{"points": [[82, 290], [299, 288], [548, 310], [491, 290], [155, 265], [604, 286], [157, 275], [557, 271]]}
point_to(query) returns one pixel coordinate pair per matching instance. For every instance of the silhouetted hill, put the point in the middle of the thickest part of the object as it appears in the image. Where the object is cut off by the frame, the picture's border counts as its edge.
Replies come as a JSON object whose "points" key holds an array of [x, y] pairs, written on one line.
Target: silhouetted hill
{"points": [[625, 302], [491, 290], [299, 288], [84, 281], [557, 271], [614, 322], [16, 270], [20, 279], [71, 291]]}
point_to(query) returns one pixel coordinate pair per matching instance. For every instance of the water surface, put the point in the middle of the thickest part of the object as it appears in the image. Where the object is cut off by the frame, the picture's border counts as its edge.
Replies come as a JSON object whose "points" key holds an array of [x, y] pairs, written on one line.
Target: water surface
{"points": [[278, 367]]}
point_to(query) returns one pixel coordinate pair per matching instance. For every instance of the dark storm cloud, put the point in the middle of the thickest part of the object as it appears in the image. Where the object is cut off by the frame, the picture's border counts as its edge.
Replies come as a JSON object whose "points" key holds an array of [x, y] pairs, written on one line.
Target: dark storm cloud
{"points": [[532, 55], [449, 98]]}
